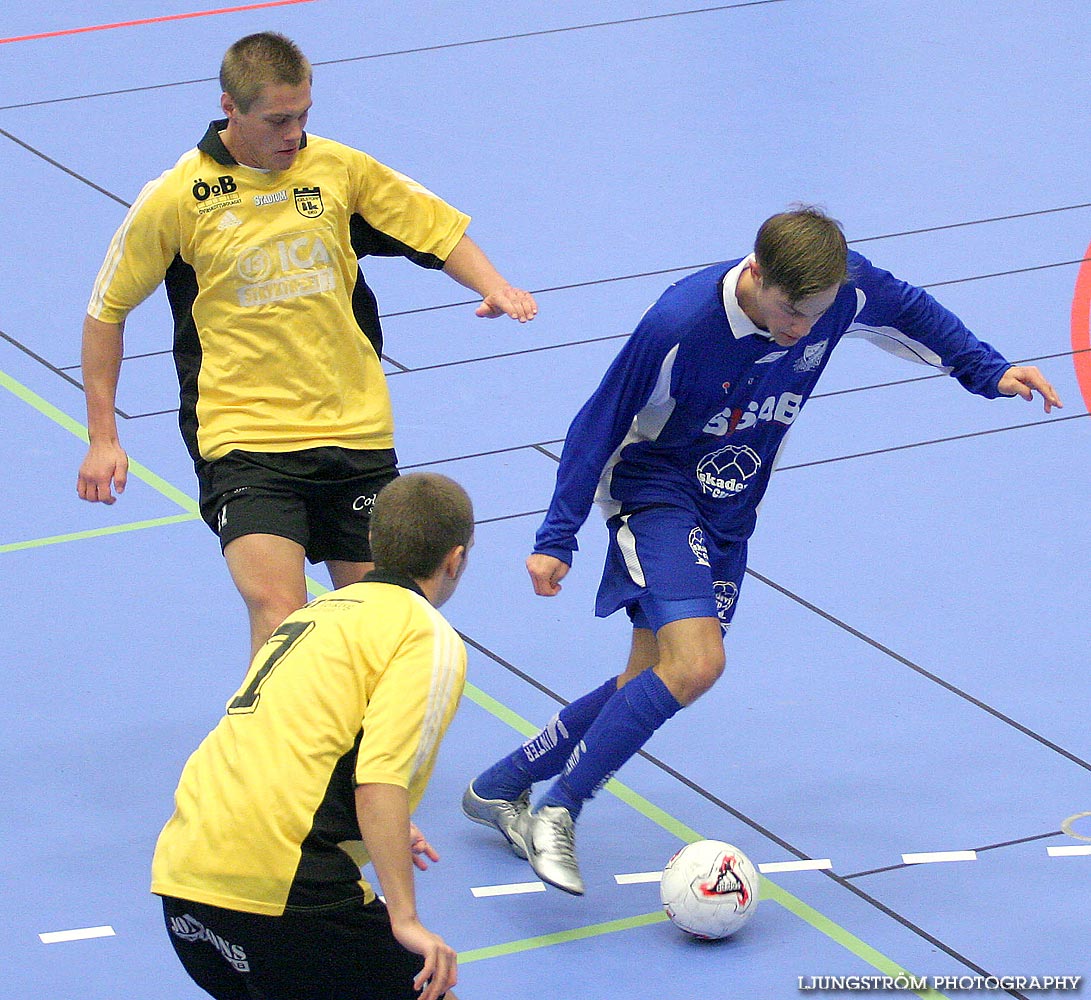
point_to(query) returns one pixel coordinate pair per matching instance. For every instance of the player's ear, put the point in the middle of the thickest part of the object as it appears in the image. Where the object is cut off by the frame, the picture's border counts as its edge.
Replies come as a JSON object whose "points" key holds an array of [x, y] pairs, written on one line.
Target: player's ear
{"points": [[455, 561], [227, 104]]}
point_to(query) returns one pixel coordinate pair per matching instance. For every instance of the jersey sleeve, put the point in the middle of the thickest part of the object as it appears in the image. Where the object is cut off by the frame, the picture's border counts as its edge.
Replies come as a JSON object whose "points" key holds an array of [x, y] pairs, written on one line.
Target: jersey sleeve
{"points": [[394, 215], [600, 428], [412, 705], [141, 251], [907, 321]]}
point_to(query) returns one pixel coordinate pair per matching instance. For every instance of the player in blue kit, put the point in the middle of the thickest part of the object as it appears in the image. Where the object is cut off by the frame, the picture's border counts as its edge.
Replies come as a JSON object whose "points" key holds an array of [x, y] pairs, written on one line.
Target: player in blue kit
{"points": [[677, 445]]}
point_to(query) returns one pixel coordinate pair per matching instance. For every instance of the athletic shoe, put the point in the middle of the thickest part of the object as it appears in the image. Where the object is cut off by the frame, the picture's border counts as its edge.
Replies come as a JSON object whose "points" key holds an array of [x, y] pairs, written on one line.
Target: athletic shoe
{"points": [[549, 838], [500, 814]]}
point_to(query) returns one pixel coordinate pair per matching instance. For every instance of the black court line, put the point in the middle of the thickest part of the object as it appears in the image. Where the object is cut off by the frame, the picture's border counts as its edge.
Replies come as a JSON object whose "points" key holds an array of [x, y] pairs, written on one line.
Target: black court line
{"points": [[403, 370], [696, 267], [937, 375], [862, 239], [927, 674], [541, 447], [427, 48], [977, 850], [874, 643], [670, 270], [45, 364], [749, 821], [922, 444], [60, 166], [868, 640]]}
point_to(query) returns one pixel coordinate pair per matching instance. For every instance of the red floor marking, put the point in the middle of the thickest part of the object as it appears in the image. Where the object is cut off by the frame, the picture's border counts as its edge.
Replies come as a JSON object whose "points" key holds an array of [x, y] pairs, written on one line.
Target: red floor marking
{"points": [[1081, 329], [153, 20]]}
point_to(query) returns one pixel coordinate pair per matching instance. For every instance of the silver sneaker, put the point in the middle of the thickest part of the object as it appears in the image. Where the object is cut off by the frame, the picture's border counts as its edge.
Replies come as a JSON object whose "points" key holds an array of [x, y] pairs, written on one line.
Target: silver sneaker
{"points": [[549, 839], [500, 814]]}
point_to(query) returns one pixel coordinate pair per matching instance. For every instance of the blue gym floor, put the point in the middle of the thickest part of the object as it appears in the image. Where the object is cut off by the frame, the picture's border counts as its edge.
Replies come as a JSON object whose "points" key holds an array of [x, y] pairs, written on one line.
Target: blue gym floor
{"points": [[908, 666]]}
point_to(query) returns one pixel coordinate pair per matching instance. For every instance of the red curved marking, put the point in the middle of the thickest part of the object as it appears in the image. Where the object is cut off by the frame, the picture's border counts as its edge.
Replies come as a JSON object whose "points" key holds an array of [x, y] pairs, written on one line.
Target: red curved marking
{"points": [[1081, 329]]}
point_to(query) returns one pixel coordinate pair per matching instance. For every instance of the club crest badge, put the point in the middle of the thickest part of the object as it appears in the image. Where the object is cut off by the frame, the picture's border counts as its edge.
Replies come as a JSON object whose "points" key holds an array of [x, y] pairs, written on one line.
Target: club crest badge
{"points": [[812, 357], [308, 202], [726, 595]]}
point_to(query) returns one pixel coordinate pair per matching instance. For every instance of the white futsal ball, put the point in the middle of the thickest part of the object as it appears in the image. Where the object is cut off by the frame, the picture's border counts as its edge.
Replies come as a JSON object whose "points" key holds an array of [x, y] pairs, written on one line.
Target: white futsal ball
{"points": [[709, 889]]}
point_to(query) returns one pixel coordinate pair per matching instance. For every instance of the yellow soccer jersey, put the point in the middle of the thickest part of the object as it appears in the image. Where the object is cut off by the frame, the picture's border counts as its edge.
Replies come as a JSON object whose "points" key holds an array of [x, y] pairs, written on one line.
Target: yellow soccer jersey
{"points": [[261, 274], [357, 687]]}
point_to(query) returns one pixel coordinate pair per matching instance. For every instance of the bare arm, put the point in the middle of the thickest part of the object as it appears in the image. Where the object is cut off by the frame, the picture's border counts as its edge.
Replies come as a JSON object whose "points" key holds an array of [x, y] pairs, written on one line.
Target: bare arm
{"points": [[383, 814], [106, 466], [469, 266]]}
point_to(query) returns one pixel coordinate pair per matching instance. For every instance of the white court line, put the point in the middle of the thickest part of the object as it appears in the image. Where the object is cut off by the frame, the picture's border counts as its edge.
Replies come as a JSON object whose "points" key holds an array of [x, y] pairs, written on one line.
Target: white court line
{"points": [[931, 857], [513, 889], [819, 864], [1069, 852], [81, 934], [635, 878]]}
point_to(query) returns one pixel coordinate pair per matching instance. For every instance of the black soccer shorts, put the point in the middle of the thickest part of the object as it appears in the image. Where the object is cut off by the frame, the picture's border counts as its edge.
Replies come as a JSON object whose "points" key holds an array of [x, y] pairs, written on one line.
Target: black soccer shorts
{"points": [[321, 497], [346, 951]]}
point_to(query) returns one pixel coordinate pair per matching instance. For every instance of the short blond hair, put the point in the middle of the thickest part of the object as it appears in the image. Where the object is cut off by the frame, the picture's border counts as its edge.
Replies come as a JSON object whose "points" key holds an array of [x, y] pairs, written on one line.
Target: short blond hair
{"points": [[802, 251], [254, 61]]}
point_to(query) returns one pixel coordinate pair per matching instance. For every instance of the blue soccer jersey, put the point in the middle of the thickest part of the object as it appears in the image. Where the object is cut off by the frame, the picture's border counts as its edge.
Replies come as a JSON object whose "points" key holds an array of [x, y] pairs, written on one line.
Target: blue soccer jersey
{"points": [[696, 405]]}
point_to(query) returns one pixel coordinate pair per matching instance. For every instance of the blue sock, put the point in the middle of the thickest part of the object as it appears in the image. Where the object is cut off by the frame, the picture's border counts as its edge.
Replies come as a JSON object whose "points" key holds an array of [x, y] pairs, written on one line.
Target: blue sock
{"points": [[546, 754], [623, 726]]}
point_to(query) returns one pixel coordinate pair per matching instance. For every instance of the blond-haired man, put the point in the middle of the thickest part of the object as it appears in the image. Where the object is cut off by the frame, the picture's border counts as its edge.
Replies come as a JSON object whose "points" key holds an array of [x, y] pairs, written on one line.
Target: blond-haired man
{"points": [[283, 402]]}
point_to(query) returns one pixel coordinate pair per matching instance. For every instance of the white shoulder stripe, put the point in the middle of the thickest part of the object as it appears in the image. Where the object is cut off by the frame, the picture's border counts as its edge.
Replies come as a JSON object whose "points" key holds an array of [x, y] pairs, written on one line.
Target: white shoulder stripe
{"points": [[446, 675], [893, 341], [115, 253]]}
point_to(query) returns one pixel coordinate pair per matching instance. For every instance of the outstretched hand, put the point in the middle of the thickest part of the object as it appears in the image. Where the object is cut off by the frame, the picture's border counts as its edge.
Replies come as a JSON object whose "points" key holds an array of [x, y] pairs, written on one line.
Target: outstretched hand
{"points": [[508, 301], [1024, 380]]}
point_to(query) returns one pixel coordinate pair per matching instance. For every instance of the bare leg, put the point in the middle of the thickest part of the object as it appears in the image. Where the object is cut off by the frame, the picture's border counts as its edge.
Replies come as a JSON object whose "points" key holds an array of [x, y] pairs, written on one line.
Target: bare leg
{"points": [[268, 572], [691, 657], [342, 573]]}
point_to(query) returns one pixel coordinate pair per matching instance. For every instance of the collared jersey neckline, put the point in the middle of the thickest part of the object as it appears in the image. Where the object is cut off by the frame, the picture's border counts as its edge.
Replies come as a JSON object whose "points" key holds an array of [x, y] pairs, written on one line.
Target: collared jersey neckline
{"points": [[741, 324], [398, 579], [212, 143]]}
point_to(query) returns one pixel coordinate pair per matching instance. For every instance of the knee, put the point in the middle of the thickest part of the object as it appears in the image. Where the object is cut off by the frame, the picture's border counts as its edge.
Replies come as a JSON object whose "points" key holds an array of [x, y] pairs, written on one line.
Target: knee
{"points": [[267, 606], [269, 598], [691, 677]]}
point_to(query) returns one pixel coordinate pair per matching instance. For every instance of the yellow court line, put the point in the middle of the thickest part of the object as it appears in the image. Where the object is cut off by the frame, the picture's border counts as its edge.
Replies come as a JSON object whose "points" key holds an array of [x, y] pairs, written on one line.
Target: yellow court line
{"points": [[136, 469], [115, 529]]}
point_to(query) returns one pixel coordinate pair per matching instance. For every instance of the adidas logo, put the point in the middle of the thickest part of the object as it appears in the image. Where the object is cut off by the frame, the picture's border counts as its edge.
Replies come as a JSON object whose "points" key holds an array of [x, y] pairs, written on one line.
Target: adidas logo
{"points": [[228, 220]]}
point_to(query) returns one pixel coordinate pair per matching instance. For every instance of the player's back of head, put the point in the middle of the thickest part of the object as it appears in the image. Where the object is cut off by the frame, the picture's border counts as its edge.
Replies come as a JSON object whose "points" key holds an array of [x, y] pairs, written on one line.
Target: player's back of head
{"points": [[417, 520]]}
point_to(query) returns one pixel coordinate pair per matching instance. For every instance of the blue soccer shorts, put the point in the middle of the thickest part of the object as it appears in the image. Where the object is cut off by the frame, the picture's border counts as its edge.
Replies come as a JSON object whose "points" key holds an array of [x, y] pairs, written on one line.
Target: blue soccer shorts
{"points": [[662, 567]]}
